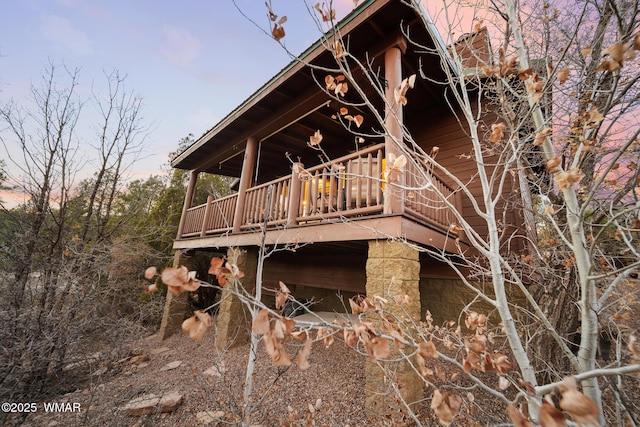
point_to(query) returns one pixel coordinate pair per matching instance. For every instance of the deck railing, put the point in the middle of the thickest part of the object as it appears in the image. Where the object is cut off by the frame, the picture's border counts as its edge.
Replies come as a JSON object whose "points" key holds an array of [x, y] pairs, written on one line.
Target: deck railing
{"points": [[424, 195], [350, 186], [256, 209]]}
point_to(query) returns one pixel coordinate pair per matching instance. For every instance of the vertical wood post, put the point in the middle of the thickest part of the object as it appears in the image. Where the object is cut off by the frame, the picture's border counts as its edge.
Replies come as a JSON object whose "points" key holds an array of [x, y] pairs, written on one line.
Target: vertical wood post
{"points": [[458, 205], [294, 194], [393, 193], [248, 163], [207, 212], [188, 199]]}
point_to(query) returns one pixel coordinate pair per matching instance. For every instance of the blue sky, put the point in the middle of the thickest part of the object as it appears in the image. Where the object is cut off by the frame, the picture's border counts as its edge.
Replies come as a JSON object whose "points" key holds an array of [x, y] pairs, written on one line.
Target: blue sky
{"points": [[192, 61]]}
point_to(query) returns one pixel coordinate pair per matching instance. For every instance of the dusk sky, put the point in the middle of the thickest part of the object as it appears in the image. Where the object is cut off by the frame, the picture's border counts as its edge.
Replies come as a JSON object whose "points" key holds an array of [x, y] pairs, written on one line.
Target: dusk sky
{"points": [[192, 61]]}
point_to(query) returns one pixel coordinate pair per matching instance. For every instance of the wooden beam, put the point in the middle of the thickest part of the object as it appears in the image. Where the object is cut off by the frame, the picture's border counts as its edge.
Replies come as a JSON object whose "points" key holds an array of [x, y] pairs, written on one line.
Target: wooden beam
{"points": [[188, 199], [248, 165], [393, 192], [381, 227]]}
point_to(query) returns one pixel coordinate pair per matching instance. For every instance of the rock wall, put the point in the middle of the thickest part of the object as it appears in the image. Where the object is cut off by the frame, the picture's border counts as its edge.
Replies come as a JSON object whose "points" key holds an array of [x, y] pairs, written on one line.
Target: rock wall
{"points": [[446, 298]]}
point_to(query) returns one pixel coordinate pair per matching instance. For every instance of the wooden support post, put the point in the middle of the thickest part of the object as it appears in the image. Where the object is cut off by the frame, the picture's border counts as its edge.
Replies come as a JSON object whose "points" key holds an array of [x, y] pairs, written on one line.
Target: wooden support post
{"points": [[248, 164], [393, 193], [294, 194], [207, 212], [188, 200]]}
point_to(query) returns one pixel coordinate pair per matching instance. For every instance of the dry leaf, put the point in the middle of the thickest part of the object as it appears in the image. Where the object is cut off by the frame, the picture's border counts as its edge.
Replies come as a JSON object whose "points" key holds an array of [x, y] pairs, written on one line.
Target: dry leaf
{"points": [[327, 15], [355, 307], [553, 165], [565, 179], [150, 273], [282, 295], [550, 416], [180, 279], [269, 345], [563, 75], [595, 116], [283, 358], [277, 32], [316, 138], [197, 325], [341, 88], [350, 337], [497, 132], [217, 269], [234, 271], [400, 93], [427, 350], [340, 51], [475, 321], [535, 86], [261, 324], [395, 167], [272, 15], [402, 300], [541, 136], [582, 409], [380, 348], [151, 288], [358, 119], [302, 359], [328, 340], [445, 405], [330, 83], [500, 363]]}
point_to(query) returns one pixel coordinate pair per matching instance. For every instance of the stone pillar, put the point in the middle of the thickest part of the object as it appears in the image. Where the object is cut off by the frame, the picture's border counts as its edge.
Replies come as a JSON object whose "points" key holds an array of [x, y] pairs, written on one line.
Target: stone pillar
{"points": [[175, 306], [233, 325], [393, 269]]}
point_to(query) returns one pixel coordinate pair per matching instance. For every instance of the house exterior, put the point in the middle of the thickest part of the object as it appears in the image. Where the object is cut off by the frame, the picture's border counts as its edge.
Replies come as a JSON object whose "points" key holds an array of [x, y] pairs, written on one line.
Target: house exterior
{"points": [[346, 226]]}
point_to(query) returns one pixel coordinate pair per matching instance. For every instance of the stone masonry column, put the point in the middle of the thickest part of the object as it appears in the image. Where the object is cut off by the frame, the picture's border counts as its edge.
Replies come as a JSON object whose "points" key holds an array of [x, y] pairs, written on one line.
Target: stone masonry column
{"points": [[175, 306], [233, 325], [393, 269]]}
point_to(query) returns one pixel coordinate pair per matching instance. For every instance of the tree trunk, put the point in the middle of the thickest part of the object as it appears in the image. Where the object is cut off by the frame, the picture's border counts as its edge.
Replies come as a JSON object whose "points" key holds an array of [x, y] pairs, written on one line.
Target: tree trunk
{"points": [[556, 299]]}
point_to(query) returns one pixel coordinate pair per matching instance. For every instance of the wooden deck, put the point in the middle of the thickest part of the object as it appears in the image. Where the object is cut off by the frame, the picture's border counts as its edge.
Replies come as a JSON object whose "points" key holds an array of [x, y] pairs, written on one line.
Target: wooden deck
{"points": [[337, 201]]}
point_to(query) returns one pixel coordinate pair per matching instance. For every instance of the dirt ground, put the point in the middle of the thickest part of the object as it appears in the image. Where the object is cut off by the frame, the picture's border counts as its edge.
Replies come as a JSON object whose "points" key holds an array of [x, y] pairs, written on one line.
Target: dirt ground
{"points": [[330, 393]]}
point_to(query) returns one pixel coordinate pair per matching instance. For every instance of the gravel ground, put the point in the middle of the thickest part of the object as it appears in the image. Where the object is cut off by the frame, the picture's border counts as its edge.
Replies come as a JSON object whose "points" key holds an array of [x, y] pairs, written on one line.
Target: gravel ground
{"points": [[332, 389], [336, 395]]}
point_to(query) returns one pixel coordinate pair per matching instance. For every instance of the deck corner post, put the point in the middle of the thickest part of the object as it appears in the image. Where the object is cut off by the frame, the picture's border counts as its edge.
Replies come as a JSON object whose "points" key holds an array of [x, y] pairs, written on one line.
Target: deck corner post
{"points": [[393, 193], [248, 163], [294, 194], [188, 200]]}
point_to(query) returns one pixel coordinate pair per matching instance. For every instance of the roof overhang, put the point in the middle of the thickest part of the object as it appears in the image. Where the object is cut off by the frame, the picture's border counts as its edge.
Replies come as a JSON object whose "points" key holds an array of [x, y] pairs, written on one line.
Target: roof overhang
{"points": [[284, 112]]}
